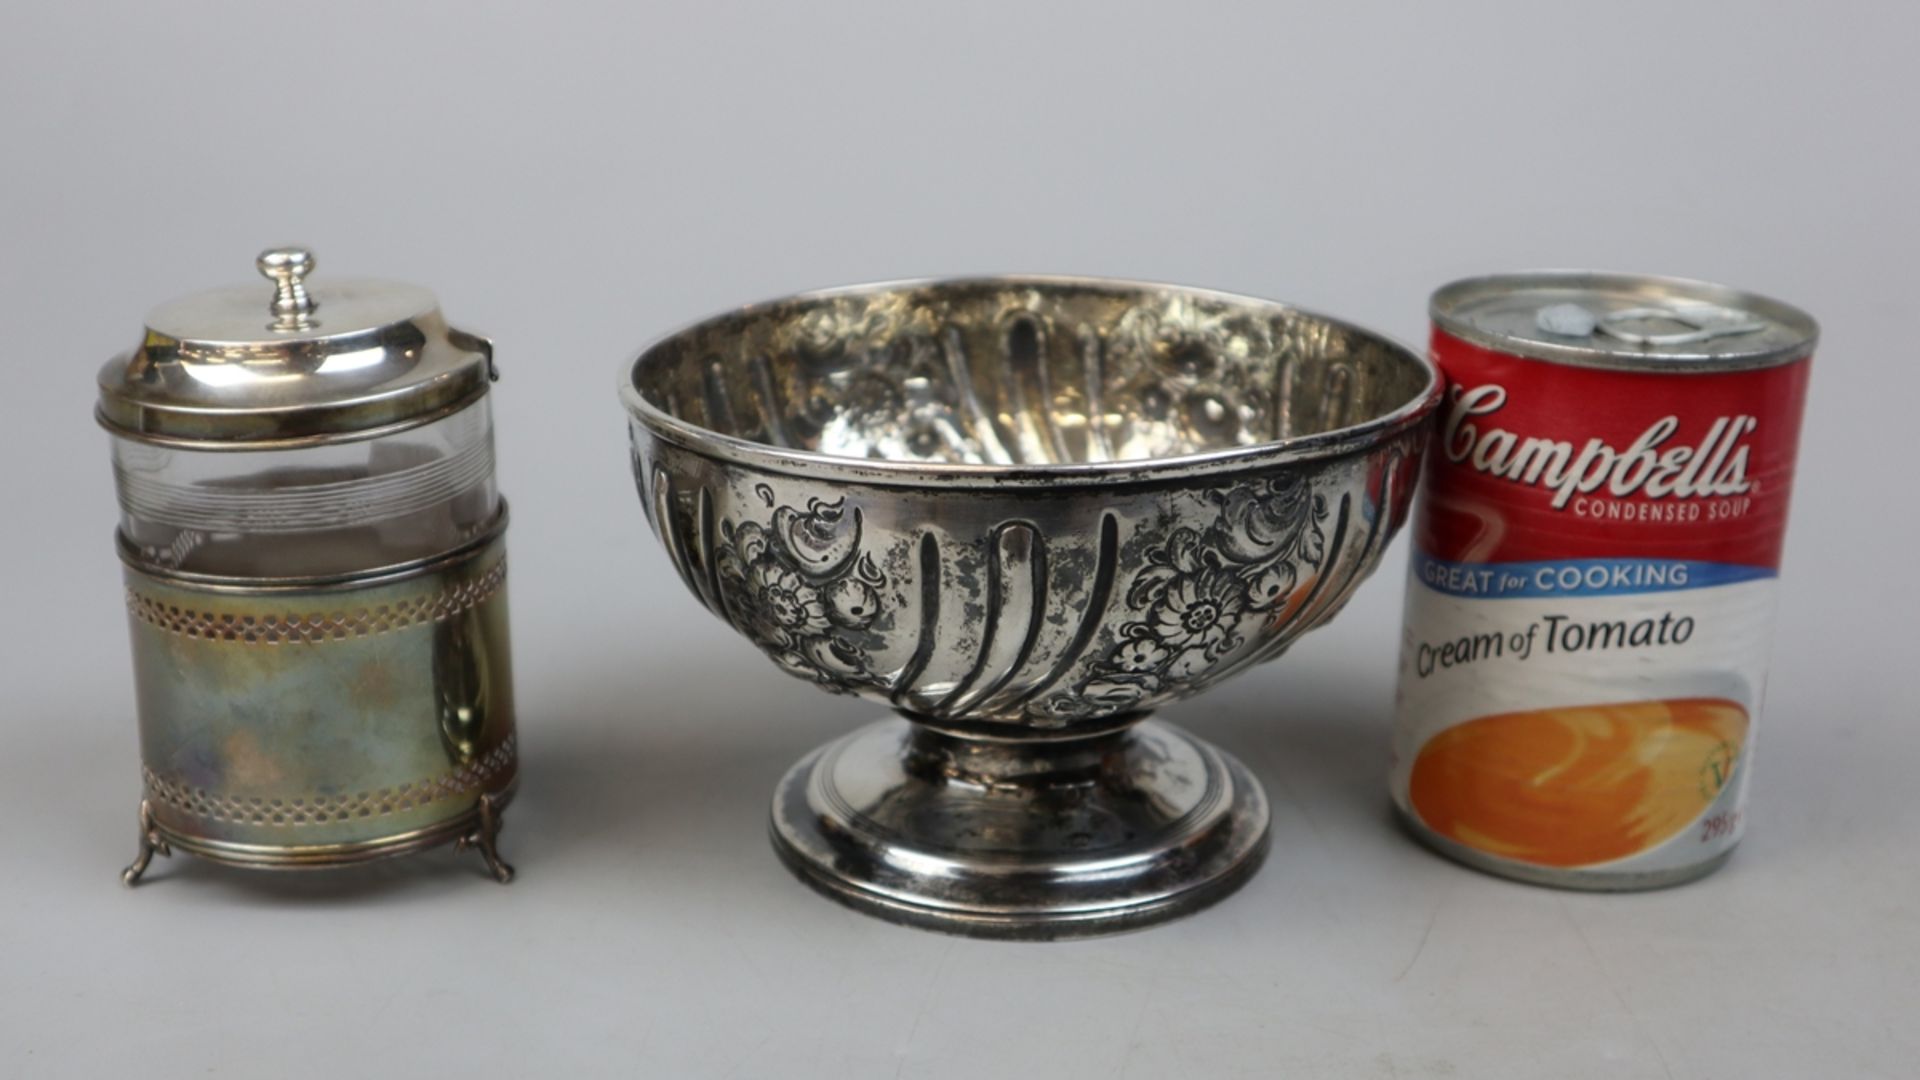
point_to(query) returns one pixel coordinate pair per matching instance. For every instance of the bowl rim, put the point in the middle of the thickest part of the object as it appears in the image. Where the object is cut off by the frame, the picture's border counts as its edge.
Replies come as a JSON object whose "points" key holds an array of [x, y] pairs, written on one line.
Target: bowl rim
{"points": [[814, 464]]}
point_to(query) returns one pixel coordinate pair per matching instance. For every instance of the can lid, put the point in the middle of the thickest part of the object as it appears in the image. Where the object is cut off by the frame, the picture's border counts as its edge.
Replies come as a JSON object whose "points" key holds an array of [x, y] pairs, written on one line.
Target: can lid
{"points": [[1624, 321], [245, 368]]}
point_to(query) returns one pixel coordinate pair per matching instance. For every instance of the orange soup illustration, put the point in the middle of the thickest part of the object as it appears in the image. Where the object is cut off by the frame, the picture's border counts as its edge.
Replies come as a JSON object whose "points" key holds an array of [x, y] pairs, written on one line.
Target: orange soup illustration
{"points": [[1578, 785]]}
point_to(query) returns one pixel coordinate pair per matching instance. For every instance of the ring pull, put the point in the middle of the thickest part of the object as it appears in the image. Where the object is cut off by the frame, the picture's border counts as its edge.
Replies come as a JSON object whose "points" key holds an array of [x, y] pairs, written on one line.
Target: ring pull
{"points": [[1709, 321]]}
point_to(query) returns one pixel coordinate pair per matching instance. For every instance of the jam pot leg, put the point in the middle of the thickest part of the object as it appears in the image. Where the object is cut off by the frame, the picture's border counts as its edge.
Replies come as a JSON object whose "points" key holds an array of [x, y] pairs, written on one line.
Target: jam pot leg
{"points": [[484, 838], [151, 843]]}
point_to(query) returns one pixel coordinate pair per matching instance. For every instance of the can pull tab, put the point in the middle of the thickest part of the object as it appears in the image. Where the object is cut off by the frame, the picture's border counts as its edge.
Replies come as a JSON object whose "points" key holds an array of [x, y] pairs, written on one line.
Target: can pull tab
{"points": [[292, 306], [1703, 322], [1708, 321]]}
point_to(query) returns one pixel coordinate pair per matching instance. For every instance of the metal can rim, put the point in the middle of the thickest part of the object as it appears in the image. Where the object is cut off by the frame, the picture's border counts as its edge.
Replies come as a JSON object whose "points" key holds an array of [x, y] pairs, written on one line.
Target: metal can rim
{"points": [[1445, 308]]}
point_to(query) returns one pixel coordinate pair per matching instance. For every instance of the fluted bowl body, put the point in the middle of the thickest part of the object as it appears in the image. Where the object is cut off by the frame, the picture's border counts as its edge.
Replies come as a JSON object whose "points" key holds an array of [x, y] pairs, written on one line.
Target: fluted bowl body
{"points": [[1011, 504]]}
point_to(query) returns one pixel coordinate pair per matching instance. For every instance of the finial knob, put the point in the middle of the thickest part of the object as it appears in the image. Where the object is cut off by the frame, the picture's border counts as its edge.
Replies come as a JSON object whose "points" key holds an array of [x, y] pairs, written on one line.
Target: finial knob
{"points": [[287, 268]]}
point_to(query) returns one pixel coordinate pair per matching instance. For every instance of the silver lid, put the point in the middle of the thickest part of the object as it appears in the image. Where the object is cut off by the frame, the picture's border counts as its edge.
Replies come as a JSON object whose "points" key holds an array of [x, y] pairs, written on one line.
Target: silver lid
{"points": [[1624, 321], [250, 367]]}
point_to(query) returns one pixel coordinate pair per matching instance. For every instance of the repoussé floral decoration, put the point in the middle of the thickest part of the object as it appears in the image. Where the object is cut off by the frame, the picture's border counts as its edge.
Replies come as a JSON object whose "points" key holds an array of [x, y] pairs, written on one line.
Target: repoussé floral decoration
{"points": [[1197, 593], [803, 591]]}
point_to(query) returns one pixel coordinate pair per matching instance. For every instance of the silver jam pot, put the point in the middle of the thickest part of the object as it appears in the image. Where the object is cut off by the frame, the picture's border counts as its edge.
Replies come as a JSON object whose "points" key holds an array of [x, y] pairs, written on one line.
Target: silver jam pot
{"points": [[313, 549]]}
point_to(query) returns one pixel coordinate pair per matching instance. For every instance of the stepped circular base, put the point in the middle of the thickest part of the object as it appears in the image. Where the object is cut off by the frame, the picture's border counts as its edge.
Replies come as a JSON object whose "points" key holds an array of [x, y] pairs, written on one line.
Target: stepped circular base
{"points": [[1021, 839]]}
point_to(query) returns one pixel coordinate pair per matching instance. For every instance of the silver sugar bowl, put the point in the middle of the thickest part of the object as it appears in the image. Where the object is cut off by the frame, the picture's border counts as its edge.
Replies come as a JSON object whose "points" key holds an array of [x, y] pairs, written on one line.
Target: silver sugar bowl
{"points": [[315, 567], [1022, 513]]}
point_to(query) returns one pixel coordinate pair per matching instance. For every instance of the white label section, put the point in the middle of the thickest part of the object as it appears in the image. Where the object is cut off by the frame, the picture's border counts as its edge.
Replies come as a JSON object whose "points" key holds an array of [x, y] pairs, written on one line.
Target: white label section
{"points": [[1463, 659]]}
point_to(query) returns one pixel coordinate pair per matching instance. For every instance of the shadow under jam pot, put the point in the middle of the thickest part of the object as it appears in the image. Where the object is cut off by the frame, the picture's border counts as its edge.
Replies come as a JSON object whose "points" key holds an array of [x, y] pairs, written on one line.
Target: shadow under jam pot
{"points": [[1595, 559], [315, 575]]}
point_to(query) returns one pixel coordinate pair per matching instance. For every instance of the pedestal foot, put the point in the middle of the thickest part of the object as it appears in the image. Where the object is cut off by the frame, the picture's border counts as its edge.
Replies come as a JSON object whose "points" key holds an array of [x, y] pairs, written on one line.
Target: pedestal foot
{"points": [[485, 839], [151, 843], [1021, 839]]}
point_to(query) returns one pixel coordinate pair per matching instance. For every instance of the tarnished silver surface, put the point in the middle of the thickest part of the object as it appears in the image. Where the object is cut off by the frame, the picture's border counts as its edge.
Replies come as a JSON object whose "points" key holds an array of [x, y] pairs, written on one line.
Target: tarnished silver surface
{"points": [[1027, 839], [302, 724], [1024, 512]]}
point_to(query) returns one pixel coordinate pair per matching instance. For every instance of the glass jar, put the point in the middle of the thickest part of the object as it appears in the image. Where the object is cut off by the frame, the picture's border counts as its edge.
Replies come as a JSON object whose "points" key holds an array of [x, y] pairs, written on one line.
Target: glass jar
{"points": [[331, 508]]}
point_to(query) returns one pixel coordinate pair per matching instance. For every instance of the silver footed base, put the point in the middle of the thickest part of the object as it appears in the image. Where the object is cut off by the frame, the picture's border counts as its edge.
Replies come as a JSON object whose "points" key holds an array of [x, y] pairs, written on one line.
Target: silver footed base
{"points": [[479, 829], [1021, 839]]}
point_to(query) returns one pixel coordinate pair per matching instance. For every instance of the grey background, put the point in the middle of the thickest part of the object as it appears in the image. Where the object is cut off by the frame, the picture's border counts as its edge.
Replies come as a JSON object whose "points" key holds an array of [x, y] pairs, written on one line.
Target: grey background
{"points": [[573, 180]]}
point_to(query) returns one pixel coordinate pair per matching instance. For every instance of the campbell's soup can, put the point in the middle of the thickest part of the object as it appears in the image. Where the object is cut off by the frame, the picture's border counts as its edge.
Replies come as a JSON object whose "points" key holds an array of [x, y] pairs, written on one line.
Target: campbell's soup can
{"points": [[1596, 554]]}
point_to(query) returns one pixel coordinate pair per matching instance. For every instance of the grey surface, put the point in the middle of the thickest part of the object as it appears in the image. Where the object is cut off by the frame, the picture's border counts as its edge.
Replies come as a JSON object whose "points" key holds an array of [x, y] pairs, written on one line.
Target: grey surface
{"points": [[575, 180]]}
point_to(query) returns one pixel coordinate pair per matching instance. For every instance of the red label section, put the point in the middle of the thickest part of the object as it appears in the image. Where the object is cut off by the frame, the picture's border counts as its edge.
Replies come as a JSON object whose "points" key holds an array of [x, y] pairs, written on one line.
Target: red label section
{"points": [[1538, 461]]}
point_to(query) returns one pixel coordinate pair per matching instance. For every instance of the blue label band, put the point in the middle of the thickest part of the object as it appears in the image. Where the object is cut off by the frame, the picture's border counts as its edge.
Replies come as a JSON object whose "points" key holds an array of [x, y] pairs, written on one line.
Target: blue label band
{"points": [[1578, 577]]}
